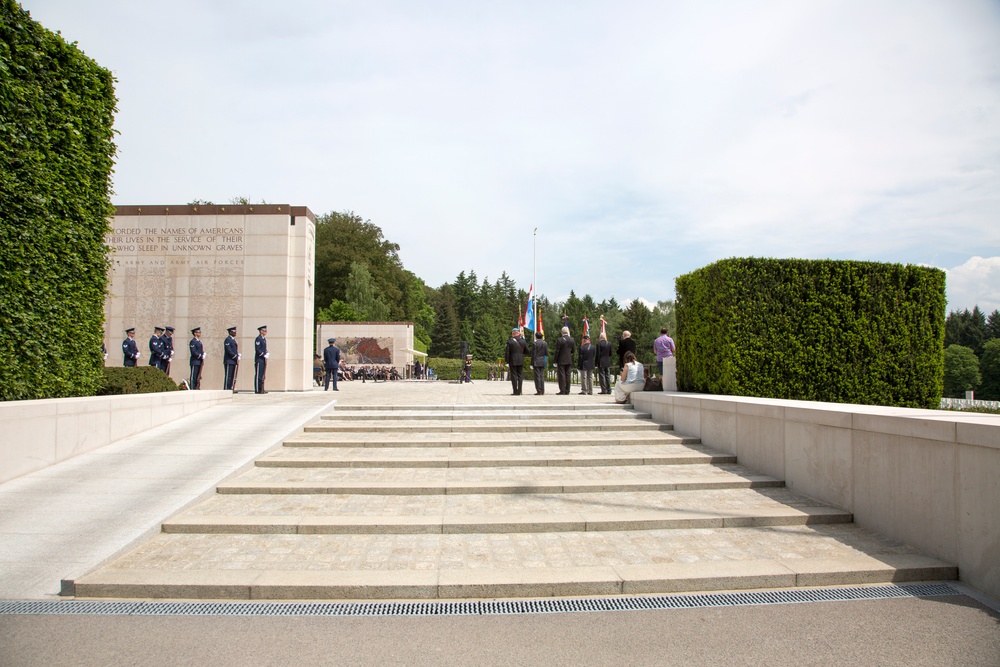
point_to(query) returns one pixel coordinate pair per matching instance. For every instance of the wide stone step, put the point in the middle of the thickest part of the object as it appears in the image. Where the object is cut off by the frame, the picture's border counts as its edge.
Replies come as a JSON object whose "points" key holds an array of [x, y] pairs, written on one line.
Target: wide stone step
{"points": [[481, 514], [202, 566], [459, 457], [483, 415], [486, 426], [353, 439], [526, 405], [495, 480]]}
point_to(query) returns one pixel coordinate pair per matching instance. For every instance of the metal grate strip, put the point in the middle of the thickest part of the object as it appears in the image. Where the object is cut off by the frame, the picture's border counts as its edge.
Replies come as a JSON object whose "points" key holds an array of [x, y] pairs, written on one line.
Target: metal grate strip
{"points": [[478, 607]]}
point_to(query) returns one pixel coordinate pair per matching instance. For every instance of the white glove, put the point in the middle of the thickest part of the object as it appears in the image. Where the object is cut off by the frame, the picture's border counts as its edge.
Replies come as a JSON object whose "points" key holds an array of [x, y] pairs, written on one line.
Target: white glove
{"points": [[267, 355], [138, 354], [202, 355], [238, 357], [105, 355]]}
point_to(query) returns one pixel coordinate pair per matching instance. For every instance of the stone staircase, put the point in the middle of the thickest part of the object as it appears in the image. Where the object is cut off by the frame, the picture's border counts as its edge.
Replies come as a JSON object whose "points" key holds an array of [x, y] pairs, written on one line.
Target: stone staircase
{"points": [[487, 501]]}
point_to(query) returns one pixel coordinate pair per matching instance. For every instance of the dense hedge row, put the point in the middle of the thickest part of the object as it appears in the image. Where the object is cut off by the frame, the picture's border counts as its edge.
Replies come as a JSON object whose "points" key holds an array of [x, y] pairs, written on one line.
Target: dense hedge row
{"points": [[450, 369], [56, 158], [116, 381], [837, 331]]}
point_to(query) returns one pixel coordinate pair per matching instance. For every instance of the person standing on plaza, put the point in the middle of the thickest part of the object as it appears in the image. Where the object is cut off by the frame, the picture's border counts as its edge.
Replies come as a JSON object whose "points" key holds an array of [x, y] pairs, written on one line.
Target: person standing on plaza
{"points": [[564, 360], [197, 358], [585, 362], [604, 363], [166, 350], [230, 360], [539, 354], [155, 347], [632, 379], [130, 349], [331, 364], [626, 345], [664, 348], [260, 358], [513, 355]]}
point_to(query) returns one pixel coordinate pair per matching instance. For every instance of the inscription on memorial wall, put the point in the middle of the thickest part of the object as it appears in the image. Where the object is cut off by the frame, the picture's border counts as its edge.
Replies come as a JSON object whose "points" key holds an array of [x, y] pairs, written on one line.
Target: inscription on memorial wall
{"points": [[190, 270]]}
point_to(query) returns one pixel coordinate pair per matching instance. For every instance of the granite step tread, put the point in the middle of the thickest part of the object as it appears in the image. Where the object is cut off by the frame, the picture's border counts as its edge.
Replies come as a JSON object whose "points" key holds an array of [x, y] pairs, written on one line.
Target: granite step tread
{"points": [[454, 457], [592, 580], [336, 438], [720, 501], [485, 426], [481, 415], [333, 566]]}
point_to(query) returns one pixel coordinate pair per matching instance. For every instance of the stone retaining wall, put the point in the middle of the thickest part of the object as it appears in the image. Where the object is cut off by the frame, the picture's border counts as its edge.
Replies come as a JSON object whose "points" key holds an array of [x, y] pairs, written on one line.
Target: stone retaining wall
{"points": [[37, 434], [928, 478]]}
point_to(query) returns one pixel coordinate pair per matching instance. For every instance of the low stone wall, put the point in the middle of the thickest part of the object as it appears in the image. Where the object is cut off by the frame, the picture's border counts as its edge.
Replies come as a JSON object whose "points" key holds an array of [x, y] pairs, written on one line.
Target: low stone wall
{"points": [[37, 434], [928, 478]]}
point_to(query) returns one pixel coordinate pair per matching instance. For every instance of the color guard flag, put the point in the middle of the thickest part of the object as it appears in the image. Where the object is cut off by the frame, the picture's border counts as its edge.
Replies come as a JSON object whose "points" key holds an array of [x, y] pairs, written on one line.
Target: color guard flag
{"points": [[586, 327], [541, 327], [528, 321], [603, 324]]}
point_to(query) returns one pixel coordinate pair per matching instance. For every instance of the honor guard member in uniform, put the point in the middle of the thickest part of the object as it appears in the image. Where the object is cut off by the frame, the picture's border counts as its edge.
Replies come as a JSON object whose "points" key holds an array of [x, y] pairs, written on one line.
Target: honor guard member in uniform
{"points": [[260, 357], [230, 360], [130, 350], [197, 358], [167, 350], [155, 346], [331, 363]]}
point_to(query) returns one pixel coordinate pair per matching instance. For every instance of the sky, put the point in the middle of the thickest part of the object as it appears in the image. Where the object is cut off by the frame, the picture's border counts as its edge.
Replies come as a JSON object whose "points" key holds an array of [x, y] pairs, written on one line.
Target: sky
{"points": [[641, 139]]}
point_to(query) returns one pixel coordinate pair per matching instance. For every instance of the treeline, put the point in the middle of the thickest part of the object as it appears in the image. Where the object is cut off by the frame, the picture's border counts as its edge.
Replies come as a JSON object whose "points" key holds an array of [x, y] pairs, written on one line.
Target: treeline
{"points": [[360, 277], [972, 354]]}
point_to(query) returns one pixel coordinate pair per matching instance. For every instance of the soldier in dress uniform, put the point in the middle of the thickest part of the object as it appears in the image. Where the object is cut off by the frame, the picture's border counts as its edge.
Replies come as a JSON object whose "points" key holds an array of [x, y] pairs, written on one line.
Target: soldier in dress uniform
{"points": [[155, 347], [260, 357], [197, 357], [331, 363], [231, 359], [167, 350], [130, 350]]}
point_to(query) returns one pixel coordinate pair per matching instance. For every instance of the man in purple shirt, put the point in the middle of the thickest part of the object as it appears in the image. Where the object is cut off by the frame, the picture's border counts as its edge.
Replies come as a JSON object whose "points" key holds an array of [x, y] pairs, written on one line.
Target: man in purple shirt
{"points": [[664, 348]]}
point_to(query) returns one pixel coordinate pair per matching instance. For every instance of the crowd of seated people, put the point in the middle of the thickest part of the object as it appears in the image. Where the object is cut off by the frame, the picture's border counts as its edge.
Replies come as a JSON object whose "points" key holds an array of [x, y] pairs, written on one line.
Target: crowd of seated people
{"points": [[375, 373]]}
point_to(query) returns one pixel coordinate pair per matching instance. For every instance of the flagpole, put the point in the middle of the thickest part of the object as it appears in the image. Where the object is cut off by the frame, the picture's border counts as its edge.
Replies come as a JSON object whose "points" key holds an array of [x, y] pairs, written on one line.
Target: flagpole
{"points": [[534, 273]]}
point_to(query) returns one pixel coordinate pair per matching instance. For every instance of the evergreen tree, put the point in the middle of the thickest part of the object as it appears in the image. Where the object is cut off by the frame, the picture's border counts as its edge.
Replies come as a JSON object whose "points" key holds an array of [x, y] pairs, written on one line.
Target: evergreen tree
{"points": [[639, 320], [968, 329], [445, 338], [993, 323], [989, 367], [338, 311]]}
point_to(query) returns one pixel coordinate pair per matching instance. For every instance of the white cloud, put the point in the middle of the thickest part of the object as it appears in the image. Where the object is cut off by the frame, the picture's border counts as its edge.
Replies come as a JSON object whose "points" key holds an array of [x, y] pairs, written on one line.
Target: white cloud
{"points": [[974, 283]]}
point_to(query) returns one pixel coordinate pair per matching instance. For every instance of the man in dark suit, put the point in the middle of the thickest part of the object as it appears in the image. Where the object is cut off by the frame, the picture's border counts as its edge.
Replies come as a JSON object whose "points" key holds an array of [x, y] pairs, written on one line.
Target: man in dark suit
{"points": [[155, 347], [513, 354], [539, 355], [626, 344], [197, 357], [564, 360], [260, 357], [585, 362], [331, 364], [604, 363], [130, 349], [166, 350], [230, 360]]}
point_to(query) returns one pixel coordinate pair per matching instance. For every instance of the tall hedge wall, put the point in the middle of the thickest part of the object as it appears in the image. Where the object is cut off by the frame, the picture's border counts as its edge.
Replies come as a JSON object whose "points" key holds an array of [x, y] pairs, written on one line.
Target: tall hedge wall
{"points": [[56, 158], [835, 331]]}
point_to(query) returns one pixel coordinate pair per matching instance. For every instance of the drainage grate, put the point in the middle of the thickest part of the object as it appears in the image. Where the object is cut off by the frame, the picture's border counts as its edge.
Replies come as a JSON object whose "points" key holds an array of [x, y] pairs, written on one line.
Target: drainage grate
{"points": [[477, 607]]}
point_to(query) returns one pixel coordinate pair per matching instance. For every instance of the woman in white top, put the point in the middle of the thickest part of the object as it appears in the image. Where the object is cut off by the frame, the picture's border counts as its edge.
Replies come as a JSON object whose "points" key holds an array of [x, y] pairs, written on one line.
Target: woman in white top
{"points": [[633, 378]]}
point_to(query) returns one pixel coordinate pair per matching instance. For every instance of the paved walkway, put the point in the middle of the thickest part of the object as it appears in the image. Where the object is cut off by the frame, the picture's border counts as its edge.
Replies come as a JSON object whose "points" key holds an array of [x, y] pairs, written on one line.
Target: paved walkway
{"points": [[63, 521]]}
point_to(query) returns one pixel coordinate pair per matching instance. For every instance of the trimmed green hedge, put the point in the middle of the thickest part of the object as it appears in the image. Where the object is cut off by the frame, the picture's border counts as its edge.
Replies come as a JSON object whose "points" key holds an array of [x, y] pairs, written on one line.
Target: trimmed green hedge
{"points": [[824, 330], [56, 158], [116, 381], [450, 369]]}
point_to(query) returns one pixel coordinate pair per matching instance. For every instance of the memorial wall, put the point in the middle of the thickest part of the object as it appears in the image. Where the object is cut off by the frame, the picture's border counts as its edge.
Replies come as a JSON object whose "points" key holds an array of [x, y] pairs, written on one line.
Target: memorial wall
{"points": [[371, 343], [215, 266]]}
